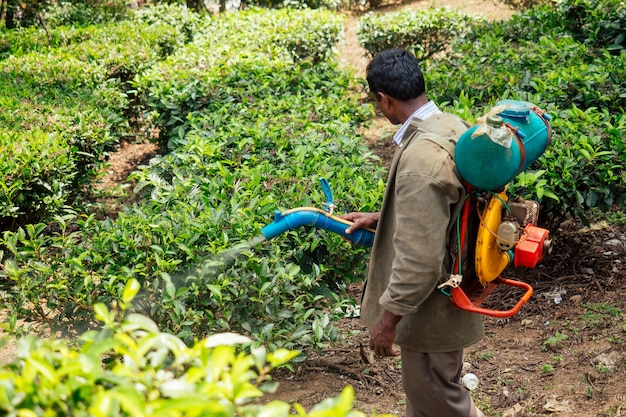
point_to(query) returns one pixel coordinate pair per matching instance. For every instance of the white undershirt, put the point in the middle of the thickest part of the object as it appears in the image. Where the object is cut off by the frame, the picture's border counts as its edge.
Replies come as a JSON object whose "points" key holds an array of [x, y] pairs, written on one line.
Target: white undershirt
{"points": [[422, 113]]}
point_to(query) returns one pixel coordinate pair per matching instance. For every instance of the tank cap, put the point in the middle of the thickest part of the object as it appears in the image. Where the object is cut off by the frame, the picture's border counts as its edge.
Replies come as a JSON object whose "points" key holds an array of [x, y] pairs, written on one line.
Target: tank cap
{"points": [[495, 121], [515, 108]]}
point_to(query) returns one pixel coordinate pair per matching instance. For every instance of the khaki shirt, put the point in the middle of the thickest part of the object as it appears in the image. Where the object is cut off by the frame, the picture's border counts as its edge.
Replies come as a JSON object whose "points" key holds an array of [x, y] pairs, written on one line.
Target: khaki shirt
{"points": [[410, 246]]}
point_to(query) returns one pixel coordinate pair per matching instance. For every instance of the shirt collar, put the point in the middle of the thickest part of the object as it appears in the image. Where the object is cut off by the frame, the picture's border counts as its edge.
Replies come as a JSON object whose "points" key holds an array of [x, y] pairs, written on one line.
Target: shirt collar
{"points": [[423, 113]]}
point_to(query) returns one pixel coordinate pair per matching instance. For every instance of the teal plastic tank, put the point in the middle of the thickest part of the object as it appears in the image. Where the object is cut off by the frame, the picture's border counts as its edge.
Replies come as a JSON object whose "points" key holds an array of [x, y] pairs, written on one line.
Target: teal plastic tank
{"points": [[490, 154]]}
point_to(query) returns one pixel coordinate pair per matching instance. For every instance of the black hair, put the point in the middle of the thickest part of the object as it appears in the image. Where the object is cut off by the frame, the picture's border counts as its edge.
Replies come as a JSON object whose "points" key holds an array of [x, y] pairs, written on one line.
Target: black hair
{"points": [[396, 72]]}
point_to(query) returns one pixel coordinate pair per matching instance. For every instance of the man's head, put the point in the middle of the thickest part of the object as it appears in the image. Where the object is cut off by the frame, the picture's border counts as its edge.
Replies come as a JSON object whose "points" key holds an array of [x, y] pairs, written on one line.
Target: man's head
{"points": [[396, 72], [397, 84]]}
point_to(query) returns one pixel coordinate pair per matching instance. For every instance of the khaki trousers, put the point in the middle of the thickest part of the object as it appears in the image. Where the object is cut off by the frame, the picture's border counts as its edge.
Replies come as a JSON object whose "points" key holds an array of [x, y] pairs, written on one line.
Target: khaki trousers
{"points": [[432, 388]]}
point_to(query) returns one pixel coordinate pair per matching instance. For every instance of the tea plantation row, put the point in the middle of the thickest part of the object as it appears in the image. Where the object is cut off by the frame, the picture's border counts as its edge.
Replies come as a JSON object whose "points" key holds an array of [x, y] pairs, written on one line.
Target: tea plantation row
{"points": [[247, 125]]}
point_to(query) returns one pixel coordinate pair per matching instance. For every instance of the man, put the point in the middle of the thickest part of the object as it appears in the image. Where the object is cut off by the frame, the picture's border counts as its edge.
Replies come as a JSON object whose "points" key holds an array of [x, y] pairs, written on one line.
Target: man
{"points": [[401, 302]]}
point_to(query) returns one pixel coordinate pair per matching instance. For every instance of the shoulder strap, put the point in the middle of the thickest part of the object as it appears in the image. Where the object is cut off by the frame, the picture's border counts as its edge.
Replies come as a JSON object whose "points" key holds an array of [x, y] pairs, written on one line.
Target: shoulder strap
{"points": [[421, 128], [447, 145], [438, 129]]}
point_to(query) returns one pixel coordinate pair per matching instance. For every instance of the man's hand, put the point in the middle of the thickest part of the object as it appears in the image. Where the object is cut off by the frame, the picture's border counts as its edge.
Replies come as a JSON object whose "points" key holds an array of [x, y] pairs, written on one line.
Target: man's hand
{"points": [[383, 335], [361, 221]]}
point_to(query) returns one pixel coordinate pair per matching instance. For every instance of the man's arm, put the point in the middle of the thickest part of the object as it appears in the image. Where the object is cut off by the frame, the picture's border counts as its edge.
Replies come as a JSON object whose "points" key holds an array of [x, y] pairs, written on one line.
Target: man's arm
{"points": [[384, 334]]}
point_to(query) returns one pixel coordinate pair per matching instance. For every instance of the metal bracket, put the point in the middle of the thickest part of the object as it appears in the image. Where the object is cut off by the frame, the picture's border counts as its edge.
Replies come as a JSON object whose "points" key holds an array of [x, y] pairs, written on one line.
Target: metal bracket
{"points": [[454, 281]]}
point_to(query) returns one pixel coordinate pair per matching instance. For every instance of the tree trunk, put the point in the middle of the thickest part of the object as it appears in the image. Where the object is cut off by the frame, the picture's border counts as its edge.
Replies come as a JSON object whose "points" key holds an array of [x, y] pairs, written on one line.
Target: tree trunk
{"points": [[9, 16], [42, 20], [194, 5]]}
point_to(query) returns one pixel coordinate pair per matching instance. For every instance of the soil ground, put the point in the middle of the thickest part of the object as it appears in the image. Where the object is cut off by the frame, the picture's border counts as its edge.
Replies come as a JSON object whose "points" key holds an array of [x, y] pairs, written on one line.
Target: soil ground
{"points": [[563, 354]]}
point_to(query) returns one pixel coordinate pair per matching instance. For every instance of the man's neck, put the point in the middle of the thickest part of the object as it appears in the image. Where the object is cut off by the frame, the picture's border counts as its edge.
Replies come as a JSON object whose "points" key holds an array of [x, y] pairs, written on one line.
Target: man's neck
{"points": [[409, 107], [423, 112]]}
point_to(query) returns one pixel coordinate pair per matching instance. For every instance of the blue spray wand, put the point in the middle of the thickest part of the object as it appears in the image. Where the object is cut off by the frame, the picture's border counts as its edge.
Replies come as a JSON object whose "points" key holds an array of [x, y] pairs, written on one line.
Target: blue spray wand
{"points": [[315, 217]]}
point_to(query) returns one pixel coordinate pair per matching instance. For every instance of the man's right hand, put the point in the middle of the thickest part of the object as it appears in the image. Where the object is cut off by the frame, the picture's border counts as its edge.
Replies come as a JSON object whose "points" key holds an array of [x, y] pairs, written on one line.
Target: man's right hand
{"points": [[361, 221], [384, 334]]}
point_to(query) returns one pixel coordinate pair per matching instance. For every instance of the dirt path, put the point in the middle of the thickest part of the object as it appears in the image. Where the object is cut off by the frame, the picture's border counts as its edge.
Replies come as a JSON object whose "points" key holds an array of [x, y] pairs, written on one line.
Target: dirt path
{"points": [[352, 56]]}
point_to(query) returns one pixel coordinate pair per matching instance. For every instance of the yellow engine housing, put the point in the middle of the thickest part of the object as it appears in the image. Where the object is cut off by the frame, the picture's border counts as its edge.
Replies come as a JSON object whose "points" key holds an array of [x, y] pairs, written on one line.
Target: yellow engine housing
{"points": [[491, 261]]}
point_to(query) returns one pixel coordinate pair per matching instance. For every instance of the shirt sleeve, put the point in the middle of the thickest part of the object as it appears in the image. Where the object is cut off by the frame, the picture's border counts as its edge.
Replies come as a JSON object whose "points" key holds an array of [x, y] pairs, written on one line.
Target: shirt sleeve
{"points": [[426, 189]]}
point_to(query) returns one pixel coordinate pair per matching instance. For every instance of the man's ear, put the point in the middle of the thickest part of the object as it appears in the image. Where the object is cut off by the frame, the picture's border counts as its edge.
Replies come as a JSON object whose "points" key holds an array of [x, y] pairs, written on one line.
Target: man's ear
{"points": [[383, 98]]}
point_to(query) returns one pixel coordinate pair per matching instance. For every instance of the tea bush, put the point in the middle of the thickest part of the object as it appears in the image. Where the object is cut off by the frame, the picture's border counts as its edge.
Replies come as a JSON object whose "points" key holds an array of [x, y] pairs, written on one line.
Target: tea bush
{"points": [[585, 167], [521, 25], [525, 4], [184, 20], [498, 68], [192, 80], [598, 23], [75, 88], [80, 80], [40, 108], [85, 13], [29, 13], [127, 367], [424, 32], [154, 29], [214, 191], [249, 134], [41, 167]]}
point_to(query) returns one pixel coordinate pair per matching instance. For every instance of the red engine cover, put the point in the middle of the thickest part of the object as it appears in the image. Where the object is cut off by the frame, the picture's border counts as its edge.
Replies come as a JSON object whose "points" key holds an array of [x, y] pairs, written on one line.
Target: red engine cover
{"points": [[529, 252]]}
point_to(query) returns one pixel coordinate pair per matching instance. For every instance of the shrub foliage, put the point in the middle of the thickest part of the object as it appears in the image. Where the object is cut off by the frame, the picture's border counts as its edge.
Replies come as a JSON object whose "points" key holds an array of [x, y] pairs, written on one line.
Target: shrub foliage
{"points": [[247, 134], [424, 32], [128, 367], [72, 91]]}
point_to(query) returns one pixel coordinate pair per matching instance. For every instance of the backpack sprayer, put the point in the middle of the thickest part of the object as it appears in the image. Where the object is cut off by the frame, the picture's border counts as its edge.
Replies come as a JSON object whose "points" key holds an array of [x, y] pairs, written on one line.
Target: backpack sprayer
{"points": [[512, 136], [488, 156]]}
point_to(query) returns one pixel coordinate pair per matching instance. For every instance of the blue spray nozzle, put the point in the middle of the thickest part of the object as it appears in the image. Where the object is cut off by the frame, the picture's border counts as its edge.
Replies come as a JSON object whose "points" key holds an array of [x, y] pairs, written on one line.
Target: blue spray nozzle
{"points": [[329, 205]]}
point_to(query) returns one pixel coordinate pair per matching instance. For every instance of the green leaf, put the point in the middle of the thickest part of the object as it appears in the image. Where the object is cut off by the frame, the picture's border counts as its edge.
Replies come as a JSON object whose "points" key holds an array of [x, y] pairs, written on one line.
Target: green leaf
{"points": [[274, 409], [43, 368], [131, 289], [130, 400], [138, 321], [102, 314], [281, 356]]}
